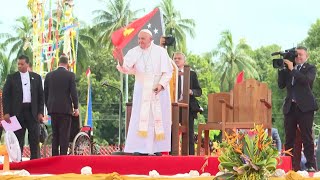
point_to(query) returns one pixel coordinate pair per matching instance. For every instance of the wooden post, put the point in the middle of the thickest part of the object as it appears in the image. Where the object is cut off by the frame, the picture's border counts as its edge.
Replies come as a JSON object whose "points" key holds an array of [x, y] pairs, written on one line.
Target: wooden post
{"points": [[175, 130], [185, 111]]}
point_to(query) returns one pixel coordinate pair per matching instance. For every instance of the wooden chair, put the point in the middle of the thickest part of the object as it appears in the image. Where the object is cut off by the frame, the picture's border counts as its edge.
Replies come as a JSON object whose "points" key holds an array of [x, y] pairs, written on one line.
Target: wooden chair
{"points": [[251, 106], [248, 104], [214, 119]]}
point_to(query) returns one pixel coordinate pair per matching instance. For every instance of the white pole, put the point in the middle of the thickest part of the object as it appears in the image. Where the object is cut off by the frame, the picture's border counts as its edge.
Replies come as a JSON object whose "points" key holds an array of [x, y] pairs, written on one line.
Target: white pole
{"points": [[120, 103]]}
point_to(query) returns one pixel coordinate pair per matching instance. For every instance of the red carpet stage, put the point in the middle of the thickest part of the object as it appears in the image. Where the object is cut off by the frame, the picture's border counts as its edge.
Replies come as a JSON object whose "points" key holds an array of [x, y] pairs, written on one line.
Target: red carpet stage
{"points": [[124, 165]]}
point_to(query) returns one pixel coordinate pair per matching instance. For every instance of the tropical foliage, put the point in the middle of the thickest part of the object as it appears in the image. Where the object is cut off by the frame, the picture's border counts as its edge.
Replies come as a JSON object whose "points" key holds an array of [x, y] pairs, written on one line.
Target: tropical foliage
{"points": [[313, 39], [116, 14], [233, 58], [19, 43], [176, 26], [248, 155], [5, 65]]}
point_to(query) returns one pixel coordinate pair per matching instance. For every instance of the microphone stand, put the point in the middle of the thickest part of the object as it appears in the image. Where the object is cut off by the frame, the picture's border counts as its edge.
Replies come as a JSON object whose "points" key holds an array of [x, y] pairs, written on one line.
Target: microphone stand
{"points": [[120, 110]]}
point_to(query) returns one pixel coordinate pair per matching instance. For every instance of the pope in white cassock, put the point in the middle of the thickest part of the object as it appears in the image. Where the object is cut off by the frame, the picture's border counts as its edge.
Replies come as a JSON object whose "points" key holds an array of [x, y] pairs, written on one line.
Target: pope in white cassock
{"points": [[150, 123]]}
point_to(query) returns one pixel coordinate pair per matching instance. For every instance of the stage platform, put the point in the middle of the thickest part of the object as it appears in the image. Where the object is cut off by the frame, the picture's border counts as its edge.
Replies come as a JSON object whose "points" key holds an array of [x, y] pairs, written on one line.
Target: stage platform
{"points": [[127, 165]]}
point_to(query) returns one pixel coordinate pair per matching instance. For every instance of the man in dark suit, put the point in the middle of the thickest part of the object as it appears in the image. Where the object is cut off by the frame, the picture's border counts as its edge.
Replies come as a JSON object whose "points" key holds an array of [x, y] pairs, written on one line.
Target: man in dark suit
{"points": [[23, 98], [194, 91], [300, 103], [62, 102]]}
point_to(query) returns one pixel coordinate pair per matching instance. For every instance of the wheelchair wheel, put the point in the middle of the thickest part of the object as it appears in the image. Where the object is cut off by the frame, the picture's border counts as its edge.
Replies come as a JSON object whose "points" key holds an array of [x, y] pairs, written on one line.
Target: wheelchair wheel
{"points": [[46, 147], [81, 144]]}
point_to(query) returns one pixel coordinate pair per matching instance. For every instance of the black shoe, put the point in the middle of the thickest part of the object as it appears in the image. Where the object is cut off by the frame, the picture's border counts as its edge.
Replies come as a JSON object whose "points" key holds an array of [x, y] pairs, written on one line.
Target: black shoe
{"points": [[139, 154], [158, 154], [310, 169], [119, 153]]}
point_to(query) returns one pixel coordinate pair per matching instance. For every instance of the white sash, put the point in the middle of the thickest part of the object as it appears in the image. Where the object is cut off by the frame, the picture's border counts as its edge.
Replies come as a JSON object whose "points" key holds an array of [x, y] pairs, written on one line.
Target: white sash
{"points": [[150, 103]]}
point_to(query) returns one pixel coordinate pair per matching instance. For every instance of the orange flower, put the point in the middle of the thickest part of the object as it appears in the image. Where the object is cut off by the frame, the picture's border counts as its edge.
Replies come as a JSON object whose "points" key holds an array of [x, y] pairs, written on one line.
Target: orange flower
{"points": [[238, 148]]}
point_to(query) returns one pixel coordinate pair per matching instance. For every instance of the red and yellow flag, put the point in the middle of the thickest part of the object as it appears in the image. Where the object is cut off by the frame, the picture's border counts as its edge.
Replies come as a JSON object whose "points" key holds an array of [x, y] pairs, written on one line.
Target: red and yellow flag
{"points": [[126, 37]]}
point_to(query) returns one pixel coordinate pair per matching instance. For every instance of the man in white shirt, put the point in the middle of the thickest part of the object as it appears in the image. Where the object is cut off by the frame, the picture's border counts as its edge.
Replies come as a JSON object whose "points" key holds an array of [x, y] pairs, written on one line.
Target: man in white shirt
{"points": [[23, 98], [150, 123]]}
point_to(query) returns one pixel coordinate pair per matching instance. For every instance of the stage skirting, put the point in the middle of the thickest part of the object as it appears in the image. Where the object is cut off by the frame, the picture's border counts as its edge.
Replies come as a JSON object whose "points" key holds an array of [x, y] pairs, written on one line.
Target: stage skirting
{"points": [[125, 165], [116, 176]]}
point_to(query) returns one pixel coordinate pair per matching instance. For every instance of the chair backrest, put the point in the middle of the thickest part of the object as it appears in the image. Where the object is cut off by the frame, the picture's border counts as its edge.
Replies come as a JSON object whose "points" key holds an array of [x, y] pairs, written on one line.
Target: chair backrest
{"points": [[247, 106], [214, 106], [265, 114]]}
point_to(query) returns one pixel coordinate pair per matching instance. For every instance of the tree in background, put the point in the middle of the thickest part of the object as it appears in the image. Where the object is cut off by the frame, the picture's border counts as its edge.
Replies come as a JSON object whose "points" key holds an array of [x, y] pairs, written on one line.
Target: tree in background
{"points": [[86, 43], [313, 39], [176, 26], [5, 65], [20, 42], [314, 59], [117, 14], [203, 66], [231, 60], [312, 42], [269, 75]]}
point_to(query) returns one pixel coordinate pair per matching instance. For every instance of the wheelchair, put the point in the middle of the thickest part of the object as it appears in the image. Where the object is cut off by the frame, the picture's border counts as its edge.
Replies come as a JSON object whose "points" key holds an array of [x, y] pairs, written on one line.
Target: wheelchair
{"points": [[80, 141]]}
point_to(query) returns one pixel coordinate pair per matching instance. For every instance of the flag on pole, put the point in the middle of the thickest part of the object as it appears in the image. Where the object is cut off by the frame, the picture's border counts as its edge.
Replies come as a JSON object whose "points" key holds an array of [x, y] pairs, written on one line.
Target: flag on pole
{"points": [[126, 38], [88, 119], [240, 77]]}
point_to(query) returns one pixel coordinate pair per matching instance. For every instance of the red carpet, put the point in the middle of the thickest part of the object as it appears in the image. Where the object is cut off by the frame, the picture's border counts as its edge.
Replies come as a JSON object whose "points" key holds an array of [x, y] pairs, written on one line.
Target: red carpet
{"points": [[165, 165]]}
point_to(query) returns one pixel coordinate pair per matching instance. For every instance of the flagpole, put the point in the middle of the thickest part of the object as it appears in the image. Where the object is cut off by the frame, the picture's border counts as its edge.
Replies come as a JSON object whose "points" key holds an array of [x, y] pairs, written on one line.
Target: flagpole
{"points": [[126, 94], [126, 100], [120, 104], [120, 115]]}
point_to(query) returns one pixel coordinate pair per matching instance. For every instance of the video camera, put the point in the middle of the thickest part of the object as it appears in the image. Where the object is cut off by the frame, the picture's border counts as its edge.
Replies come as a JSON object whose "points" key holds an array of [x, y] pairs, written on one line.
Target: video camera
{"points": [[169, 40], [289, 54]]}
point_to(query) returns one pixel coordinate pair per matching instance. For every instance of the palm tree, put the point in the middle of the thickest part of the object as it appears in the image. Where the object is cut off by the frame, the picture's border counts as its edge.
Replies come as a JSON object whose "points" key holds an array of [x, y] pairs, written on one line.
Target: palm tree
{"points": [[85, 42], [23, 36], [116, 15], [233, 59], [5, 65], [175, 25]]}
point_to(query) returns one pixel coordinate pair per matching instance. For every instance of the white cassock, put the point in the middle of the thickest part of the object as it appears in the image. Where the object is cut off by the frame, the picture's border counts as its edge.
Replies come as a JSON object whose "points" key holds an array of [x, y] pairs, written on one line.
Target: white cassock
{"points": [[150, 123]]}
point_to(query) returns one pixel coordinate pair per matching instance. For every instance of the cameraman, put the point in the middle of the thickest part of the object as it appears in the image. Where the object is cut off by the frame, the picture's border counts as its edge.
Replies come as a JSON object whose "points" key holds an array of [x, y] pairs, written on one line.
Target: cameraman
{"points": [[300, 104]]}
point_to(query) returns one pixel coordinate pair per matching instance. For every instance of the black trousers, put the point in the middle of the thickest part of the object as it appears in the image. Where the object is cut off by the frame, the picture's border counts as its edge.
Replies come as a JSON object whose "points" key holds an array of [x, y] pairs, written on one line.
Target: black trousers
{"points": [[60, 124], [192, 116], [27, 121], [305, 121]]}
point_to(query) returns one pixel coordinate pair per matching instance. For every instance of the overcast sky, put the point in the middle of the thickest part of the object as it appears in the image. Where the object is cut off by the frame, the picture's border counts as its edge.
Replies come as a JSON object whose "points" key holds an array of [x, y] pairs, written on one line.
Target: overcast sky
{"points": [[261, 23]]}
